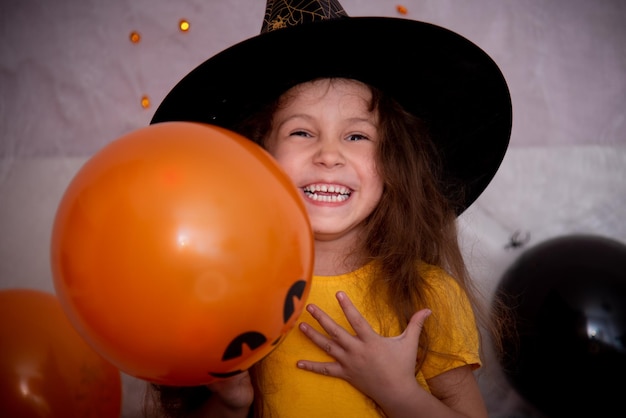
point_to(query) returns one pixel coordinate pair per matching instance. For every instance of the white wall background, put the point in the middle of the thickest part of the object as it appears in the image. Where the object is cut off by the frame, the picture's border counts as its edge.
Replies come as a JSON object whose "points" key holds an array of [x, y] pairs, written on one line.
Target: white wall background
{"points": [[71, 81]]}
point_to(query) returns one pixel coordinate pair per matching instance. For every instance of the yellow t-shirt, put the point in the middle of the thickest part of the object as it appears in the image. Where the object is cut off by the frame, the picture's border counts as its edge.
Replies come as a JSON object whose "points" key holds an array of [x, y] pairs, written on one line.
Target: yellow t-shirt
{"points": [[289, 392]]}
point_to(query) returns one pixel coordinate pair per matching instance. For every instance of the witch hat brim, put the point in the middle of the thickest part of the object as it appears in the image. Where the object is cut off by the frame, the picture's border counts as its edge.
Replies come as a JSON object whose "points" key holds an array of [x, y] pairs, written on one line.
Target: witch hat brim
{"points": [[433, 72]]}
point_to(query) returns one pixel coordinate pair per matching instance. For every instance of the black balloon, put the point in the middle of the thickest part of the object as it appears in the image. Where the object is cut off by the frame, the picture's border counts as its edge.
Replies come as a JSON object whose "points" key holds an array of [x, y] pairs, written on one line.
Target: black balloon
{"points": [[568, 295]]}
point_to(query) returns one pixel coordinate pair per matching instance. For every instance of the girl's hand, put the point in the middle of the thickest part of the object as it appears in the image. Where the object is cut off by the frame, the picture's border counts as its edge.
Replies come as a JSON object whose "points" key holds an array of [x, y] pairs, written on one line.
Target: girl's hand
{"points": [[377, 366]]}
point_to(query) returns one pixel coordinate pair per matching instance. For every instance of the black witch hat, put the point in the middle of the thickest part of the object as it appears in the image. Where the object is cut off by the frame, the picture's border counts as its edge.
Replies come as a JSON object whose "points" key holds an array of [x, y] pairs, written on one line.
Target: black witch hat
{"points": [[433, 72]]}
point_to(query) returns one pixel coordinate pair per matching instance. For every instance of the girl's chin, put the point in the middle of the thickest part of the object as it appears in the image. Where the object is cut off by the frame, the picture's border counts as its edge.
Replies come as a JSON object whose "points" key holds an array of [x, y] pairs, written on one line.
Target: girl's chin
{"points": [[334, 233]]}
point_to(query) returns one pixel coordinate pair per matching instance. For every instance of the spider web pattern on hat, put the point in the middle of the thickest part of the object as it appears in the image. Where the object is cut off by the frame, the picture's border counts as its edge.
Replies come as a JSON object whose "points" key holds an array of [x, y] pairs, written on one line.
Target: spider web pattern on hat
{"points": [[283, 14]]}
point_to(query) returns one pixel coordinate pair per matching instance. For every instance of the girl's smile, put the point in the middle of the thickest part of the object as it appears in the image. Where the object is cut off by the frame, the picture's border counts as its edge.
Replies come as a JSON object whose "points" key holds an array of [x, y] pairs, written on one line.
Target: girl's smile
{"points": [[327, 193]]}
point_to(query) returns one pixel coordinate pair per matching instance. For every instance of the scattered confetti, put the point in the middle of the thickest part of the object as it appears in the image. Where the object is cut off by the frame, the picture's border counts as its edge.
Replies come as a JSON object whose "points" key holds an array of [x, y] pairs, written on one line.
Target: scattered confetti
{"points": [[401, 9], [135, 37], [183, 25], [145, 101]]}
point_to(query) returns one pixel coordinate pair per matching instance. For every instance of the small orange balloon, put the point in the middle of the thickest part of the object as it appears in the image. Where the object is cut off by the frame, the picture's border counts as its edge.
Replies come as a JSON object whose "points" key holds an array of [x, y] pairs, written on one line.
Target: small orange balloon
{"points": [[182, 252], [46, 369]]}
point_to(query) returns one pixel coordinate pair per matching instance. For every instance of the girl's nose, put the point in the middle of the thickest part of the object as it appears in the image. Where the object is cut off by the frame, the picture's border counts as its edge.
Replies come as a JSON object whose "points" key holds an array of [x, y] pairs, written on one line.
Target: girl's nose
{"points": [[329, 153]]}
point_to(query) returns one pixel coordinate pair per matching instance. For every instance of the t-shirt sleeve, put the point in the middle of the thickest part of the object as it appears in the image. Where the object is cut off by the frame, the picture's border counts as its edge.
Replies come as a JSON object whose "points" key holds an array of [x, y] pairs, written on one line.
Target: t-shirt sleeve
{"points": [[453, 334]]}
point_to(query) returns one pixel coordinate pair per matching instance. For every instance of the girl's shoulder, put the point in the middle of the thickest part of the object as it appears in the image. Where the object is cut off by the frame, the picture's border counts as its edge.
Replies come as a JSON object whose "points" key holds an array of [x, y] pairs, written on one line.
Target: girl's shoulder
{"points": [[434, 275], [438, 283]]}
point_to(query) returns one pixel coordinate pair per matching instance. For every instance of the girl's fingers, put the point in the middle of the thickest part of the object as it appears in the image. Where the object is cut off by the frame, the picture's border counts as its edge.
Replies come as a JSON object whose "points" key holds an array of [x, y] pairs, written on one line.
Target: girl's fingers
{"points": [[328, 345], [416, 323], [326, 369], [334, 331], [313, 334], [360, 325]]}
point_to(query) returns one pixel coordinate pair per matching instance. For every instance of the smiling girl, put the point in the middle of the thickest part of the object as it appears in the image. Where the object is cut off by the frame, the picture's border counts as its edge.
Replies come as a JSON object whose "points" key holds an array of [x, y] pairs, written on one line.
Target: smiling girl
{"points": [[393, 323]]}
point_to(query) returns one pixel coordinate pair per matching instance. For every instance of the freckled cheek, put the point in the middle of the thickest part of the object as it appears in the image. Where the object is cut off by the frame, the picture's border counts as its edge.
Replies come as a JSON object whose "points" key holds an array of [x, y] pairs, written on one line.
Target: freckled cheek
{"points": [[374, 176], [289, 166], [278, 153], [376, 198], [376, 186]]}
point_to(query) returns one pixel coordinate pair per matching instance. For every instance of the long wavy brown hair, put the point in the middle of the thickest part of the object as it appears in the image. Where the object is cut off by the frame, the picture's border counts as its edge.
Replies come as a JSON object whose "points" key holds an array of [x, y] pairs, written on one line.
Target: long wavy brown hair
{"points": [[415, 222]]}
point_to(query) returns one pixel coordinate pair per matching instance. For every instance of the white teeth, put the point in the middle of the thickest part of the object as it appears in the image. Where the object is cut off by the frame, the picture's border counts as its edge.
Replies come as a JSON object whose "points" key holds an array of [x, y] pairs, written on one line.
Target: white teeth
{"points": [[313, 192], [325, 188], [326, 198]]}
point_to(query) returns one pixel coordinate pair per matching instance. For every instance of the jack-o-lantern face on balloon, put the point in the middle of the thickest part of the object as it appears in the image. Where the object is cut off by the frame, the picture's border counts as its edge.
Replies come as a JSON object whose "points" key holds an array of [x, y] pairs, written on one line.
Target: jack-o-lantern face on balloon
{"points": [[254, 340], [181, 252]]}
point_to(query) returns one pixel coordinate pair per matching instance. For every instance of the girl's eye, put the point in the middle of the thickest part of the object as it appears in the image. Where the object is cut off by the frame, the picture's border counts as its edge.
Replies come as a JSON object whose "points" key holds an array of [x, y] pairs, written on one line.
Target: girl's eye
{"points": [[300, 133], [356, 137]]}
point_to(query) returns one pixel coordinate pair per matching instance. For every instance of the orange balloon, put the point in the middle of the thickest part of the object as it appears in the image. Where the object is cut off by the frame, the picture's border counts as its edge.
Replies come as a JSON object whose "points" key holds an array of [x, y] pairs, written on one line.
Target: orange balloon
{"points": [[46, 368], [182, 252]]}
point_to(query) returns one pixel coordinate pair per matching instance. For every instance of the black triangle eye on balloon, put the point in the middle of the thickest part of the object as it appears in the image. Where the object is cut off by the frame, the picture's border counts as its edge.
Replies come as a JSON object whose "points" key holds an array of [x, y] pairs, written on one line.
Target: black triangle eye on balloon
{"points": [[297, 291]]}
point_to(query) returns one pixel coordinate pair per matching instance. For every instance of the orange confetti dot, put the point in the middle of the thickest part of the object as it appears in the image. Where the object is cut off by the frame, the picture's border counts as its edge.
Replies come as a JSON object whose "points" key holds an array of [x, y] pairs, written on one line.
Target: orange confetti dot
{"points": [[135, 37], [145, 102], [402, 10], [184, 25]]}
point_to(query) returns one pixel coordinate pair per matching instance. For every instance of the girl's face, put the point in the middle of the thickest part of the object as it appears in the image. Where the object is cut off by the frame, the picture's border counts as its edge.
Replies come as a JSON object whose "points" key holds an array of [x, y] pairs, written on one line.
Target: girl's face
{"points": [[325, 138]]}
